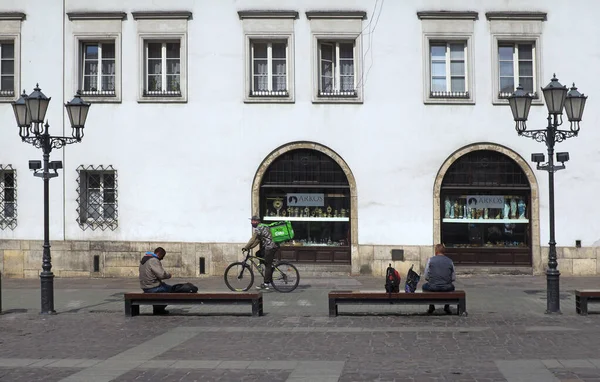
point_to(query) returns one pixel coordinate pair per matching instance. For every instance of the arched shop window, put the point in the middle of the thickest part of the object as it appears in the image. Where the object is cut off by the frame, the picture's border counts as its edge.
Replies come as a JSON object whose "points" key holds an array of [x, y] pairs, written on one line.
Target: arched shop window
{"points": [[485, 210], [311, 190]]}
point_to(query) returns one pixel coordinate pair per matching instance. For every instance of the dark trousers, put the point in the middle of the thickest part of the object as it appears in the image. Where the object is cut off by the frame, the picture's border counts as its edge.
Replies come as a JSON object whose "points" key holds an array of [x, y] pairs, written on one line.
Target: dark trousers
{"points": [[432, 288], [162, 288], [268, 255]]}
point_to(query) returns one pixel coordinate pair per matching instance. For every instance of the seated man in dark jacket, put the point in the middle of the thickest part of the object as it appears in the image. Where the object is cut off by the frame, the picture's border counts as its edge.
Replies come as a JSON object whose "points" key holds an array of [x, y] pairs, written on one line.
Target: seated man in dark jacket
{"points": [[151, 275], [439, 273]]}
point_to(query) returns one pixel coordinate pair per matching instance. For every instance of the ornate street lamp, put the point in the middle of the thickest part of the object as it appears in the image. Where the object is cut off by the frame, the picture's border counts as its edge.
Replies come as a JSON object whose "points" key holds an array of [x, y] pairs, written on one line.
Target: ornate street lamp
{"points": [[557, 98], [30, 112]]}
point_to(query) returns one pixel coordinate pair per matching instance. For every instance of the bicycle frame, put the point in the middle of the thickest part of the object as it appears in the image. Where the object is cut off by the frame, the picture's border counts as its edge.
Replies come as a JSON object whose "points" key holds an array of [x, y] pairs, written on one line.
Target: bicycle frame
{"points": [[255, 261]]}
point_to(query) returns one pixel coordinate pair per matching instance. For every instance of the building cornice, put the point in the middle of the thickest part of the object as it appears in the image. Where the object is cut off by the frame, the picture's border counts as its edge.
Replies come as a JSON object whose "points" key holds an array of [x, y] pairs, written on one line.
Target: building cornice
{"points": [[267, 14], [12, 16], [97, 15], [161, 15], [448, 15], [532, 16], [336, 15]]}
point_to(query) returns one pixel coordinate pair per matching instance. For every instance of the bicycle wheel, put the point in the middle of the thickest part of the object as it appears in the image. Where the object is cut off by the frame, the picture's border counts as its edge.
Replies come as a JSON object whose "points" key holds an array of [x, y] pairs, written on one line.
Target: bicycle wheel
{"points": [[239, 277], [285, 277]]}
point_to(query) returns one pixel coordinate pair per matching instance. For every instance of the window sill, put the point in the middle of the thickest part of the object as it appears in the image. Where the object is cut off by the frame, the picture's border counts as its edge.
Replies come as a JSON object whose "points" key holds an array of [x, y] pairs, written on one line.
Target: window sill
{"points": [[10, 98], [347, 97], [269, 99], [504, 101], [113, 98], [162, 99]]}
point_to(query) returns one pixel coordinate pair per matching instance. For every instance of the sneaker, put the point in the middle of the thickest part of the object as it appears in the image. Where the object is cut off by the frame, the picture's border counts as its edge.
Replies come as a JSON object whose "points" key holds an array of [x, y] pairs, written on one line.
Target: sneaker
{"points": [[263, 286]]}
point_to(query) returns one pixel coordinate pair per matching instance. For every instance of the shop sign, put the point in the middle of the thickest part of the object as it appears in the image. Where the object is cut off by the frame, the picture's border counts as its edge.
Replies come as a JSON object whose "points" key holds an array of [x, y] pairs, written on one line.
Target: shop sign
{"points": [[485, 201], [305, 200]]}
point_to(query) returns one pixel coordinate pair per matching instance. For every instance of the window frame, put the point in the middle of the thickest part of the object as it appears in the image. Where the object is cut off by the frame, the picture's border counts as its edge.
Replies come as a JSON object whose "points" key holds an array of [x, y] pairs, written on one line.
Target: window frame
{"points": [[8, 221], [268, 26], [270, 75], [172, 26], [10, 32], [83, 219], [164, 73], [515, 62], [448, 69], [515, 28], [430, 39], [163, 38], [336, 68], [102, 94], [337, 26]]}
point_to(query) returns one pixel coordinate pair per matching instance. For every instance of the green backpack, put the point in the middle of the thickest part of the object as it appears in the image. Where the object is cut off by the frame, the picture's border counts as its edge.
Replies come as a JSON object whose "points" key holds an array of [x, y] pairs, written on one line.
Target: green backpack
{"points": [[281, 231]]}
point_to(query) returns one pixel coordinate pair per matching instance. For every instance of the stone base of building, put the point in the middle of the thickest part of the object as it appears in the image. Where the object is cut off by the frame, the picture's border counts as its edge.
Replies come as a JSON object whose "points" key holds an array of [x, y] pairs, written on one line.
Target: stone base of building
{"points": [[23, 259]]}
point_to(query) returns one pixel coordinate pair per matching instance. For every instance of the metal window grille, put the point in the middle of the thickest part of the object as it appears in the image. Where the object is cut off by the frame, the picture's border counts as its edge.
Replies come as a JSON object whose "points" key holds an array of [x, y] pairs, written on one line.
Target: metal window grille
{"points": [[97, 197], [8, 197], [304, 167], [485, 169]]}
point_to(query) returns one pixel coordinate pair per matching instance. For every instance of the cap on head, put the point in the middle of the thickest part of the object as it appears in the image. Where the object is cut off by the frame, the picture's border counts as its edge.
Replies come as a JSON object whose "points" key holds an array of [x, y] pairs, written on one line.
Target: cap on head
{"points": [[255, 217]]}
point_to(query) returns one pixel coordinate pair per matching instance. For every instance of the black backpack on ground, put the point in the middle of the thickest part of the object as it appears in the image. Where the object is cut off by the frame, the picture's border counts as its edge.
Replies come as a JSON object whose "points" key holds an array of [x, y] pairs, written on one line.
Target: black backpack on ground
{"points": [[392, 280], [184, 288]]}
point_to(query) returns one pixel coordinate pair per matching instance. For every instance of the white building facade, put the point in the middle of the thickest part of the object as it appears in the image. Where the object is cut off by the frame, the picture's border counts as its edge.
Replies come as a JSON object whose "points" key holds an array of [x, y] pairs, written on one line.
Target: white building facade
{"points": [[373, 126]]}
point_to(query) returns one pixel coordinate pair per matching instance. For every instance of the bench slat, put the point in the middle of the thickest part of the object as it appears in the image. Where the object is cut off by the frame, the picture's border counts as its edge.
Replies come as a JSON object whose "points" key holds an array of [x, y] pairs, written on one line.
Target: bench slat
{"points": [[192, 296], [587, 293]]}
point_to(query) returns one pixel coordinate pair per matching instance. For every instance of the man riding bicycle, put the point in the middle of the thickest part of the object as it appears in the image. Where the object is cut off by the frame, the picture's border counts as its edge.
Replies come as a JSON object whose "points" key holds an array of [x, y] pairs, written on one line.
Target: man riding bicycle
{"points": [[262, 235]]}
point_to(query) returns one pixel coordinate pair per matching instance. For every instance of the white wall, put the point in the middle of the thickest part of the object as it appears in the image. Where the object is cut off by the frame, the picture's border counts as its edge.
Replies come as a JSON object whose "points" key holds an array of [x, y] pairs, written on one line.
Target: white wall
{"points": [[185, 170]]}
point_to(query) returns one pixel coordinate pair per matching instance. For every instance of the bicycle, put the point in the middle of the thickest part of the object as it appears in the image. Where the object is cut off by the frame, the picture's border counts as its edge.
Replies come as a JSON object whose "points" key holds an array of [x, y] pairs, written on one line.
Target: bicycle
{"points": [[239, 275]]}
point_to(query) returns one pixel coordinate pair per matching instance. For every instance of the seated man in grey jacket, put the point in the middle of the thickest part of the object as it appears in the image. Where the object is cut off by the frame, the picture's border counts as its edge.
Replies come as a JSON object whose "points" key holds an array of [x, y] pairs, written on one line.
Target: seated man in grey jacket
{"points": [[439, 273], [152, 275]]}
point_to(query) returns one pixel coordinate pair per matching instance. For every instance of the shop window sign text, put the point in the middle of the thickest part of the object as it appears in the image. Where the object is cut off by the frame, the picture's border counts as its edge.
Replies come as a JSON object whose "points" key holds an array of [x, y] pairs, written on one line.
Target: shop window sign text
{"points": [[306, 200]]}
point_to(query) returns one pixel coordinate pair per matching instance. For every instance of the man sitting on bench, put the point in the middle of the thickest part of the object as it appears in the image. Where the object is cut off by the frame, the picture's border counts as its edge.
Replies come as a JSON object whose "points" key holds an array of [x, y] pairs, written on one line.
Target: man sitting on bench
{"points": [[439, 273], [151, 275]]}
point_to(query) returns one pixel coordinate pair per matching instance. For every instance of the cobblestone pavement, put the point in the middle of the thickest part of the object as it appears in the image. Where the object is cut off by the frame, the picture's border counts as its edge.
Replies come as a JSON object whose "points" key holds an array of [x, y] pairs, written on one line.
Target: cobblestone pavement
{"points": [[505, 337]]}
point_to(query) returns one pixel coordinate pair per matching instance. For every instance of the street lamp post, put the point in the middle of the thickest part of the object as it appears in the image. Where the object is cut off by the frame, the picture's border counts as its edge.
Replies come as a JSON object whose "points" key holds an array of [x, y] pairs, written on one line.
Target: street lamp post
{"points": [[557, 98], [30, 111]]}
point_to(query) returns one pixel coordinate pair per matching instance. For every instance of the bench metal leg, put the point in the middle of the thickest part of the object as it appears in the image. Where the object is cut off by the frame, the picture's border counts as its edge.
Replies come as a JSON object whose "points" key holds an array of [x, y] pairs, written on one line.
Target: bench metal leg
{"points": [[333, 310], [257, 307], [581, 305], [462, 307], [128, 308]]}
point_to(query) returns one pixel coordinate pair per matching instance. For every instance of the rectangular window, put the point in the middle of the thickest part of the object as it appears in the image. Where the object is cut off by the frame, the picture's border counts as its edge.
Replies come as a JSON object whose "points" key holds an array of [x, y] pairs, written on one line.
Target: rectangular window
{"points": [[269, 68], [336, 69], [516, 65], [448, 70], [8, 197], [163, 68], [97, 198], [98, 69], [7, 69]]}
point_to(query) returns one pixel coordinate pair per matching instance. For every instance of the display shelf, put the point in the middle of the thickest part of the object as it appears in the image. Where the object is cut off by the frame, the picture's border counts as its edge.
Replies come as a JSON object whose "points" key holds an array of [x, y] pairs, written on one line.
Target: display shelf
{"points": [[304, 219], [486, 221]]}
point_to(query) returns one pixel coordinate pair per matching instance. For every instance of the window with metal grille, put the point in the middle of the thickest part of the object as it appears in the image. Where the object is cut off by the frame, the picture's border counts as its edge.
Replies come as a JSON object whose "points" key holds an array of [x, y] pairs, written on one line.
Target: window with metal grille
{"points": [[7, 69], [98, 68], [97, 197], [305, 167], [485, 169], [163, 68], [8, 197]]}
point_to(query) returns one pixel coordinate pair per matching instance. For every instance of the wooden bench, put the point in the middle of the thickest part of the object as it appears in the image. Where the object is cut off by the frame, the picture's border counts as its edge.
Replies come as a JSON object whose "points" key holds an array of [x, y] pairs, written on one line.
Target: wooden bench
{"points": [[582, 297], [420, 298], [134, 300]]}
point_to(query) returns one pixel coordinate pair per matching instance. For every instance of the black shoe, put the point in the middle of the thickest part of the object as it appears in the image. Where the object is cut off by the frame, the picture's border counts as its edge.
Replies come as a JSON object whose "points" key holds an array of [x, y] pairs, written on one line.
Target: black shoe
{"points": [[431, 309], [447, 309]]}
